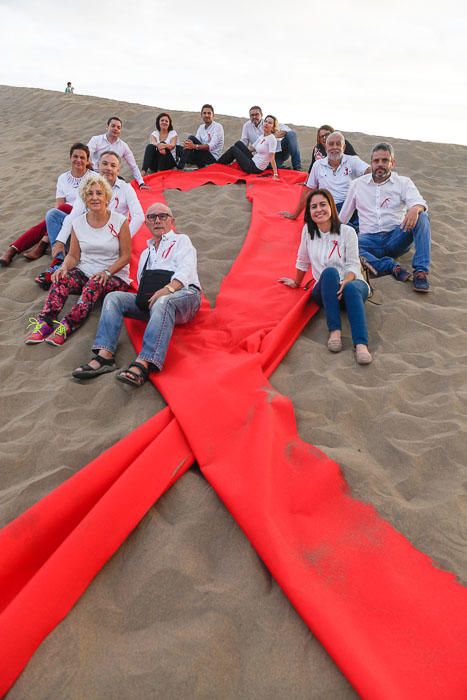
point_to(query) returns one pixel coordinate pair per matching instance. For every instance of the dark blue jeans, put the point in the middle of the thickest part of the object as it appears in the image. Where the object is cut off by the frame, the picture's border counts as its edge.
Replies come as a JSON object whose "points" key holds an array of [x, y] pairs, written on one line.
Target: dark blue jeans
{"points": [[355, 294], [289, 145], [380, 249]]}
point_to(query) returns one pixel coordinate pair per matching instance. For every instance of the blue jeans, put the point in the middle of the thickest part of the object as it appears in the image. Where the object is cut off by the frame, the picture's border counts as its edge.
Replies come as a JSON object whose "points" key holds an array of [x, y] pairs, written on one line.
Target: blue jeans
{"points": [[290, 148], [54, 221], [168, 311], [353, 221], [380, 249], [355, 294]]}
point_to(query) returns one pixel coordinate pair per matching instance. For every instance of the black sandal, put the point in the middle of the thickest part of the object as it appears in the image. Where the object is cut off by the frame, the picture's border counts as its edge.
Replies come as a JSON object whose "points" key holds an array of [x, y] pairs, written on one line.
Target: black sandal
{"points": [[88, 372], [134, 378]]}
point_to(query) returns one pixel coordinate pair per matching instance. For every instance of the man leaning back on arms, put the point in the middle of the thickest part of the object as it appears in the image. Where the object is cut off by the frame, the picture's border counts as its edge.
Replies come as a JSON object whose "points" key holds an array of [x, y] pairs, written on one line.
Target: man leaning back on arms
{"points": [[169, 256], [393, 215], [111, 141]]}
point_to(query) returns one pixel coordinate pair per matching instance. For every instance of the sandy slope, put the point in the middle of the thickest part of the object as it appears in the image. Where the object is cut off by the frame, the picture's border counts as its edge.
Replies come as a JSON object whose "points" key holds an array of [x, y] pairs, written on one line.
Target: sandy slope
{"points": [[185, 609]]}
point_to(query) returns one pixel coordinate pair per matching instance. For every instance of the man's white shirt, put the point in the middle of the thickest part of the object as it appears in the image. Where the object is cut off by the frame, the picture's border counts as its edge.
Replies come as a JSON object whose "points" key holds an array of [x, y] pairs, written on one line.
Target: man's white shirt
{"points": [[175, 252], [98, 144], [251, 133], [213, 135], [380, 206]]}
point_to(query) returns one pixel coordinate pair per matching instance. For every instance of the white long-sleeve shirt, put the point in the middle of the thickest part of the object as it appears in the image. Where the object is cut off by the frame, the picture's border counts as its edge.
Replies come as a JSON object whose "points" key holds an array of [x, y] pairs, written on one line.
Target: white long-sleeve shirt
{"points": [[175, 252], [213, 135], [98, 144], [330, 250], [124, 201], [380, 206]]}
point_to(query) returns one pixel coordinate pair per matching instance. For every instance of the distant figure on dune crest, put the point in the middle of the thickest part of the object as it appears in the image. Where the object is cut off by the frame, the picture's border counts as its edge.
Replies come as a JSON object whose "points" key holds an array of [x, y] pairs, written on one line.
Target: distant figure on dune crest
{"points": [[263, 154], [69, 90], [287, 144], [160, 153], [168, 294], [111, 141], [96, 264], [319, 150], [206, 147], [330, 249], [393, 215], [335, 173], [67, 190]]}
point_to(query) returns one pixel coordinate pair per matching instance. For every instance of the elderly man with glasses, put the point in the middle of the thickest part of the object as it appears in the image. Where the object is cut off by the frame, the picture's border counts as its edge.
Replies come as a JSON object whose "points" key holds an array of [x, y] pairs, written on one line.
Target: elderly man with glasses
{"points": [[169, 265]]}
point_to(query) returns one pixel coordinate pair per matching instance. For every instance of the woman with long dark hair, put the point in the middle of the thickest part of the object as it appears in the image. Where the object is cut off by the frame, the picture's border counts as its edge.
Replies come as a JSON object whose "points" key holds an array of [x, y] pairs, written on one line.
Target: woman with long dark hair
{"points": [[330, 249]]}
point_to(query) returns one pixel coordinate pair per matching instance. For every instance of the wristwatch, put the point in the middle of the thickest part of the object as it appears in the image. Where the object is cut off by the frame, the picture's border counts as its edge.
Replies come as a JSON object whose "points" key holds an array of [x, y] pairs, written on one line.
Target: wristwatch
{"points": [[170, 288]]}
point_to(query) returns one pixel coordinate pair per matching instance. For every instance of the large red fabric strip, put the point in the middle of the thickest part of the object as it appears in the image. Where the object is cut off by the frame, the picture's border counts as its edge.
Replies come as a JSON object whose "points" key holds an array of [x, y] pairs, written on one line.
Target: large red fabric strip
{"points": [[394, 623]]}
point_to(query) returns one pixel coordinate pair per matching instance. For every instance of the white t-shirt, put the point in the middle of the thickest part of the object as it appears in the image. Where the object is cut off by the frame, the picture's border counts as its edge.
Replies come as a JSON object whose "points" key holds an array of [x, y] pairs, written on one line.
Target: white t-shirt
{"points": [[330, 250], [264, 147], [68, 185], [100, 247]]}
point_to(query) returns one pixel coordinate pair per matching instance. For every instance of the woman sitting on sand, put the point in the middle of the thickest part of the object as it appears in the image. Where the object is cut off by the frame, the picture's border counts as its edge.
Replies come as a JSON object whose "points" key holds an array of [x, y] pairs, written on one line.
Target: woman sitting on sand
{"points": [[96, 264], [331, 250], [160, 152], [319, 150], [67, 189], [264, 154]]}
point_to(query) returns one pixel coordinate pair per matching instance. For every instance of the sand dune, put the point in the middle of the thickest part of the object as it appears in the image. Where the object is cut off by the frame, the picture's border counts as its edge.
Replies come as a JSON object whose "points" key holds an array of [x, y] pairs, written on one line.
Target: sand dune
{"points": [[185, 608]]}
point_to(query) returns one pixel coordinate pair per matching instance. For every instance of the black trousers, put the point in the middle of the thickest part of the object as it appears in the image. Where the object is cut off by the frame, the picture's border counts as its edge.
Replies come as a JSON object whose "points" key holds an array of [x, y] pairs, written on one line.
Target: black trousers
{"points": [[242, 155], [199, 158], [154, 160]]}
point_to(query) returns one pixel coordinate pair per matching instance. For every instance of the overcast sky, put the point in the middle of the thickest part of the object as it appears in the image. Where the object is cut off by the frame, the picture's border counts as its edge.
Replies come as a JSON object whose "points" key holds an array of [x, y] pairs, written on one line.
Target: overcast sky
{"points": [[395, 68]]}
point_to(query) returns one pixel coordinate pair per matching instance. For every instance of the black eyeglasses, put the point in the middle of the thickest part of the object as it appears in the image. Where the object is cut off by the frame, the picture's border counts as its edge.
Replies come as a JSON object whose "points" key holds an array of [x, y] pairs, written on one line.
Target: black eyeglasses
{"points": [[163, 216]]}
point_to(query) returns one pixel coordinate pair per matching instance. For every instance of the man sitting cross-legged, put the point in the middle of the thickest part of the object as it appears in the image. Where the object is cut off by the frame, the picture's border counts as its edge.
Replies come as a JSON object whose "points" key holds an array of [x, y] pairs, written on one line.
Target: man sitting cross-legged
{"points": [[392, 215], [168, 265]]}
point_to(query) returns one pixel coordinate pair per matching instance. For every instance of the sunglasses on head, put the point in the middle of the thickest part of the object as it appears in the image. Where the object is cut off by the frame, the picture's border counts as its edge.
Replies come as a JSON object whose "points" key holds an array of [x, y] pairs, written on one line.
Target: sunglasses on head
{"points": [[163, 216]]}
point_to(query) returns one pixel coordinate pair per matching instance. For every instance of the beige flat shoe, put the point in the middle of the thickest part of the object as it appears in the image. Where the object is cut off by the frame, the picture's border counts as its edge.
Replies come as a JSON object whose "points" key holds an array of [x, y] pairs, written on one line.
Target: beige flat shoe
{"points": [[335, 344], [363, 357]]}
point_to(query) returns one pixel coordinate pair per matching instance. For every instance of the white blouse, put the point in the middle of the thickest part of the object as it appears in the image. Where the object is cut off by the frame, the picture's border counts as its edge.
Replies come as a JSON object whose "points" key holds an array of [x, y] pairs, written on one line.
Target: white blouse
{"points": [[330, 250], [100, 247]]}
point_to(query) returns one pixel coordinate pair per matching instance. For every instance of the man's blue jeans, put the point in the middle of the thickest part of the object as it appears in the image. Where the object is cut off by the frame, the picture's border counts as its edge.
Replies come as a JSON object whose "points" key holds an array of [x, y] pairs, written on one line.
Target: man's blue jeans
{"points": [[380, 249], [54, 221], [290, 148], [168, 311], [354, 296]]}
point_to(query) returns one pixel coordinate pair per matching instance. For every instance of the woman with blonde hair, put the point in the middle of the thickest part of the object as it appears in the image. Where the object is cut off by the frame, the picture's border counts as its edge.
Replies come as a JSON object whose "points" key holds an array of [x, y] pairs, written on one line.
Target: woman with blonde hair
{"points": [[264, 151], [96, 264]]}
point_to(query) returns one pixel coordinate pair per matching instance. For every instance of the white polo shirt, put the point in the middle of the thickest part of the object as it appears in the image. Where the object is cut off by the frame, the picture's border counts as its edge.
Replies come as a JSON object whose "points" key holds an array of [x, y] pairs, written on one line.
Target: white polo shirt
{"points": [[336, 181], [124, 201], [381, 207], [98, 144], [213, 135]]}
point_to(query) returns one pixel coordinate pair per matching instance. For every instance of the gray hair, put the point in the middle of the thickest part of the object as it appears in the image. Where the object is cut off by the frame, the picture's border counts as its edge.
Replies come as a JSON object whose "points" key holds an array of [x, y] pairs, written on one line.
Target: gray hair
{"points": [[336, 133], [384, 146], [110, 153]]}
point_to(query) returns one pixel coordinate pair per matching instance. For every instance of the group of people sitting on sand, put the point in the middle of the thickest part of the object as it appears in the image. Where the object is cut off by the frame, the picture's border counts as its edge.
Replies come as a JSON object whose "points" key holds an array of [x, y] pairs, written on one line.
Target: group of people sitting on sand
{"points": [[356, 214]]}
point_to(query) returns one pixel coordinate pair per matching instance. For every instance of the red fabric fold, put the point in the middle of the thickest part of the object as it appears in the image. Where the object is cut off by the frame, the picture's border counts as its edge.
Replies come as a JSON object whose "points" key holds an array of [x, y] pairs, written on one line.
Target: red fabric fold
{"points": [[395, 624]]}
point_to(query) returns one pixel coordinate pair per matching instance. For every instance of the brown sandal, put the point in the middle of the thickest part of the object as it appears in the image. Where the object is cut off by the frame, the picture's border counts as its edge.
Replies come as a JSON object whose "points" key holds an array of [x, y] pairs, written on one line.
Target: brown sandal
{"points": [[127, 376]]}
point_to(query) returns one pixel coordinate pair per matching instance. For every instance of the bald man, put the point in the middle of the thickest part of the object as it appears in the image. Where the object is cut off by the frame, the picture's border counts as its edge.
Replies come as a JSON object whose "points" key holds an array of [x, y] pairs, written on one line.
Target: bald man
{"points": [[169, 294]]}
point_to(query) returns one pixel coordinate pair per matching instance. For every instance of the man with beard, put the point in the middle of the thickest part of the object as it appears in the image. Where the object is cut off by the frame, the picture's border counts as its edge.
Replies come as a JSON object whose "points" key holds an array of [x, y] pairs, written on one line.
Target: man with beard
{"points": [[392, 216], [333, 173]]}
